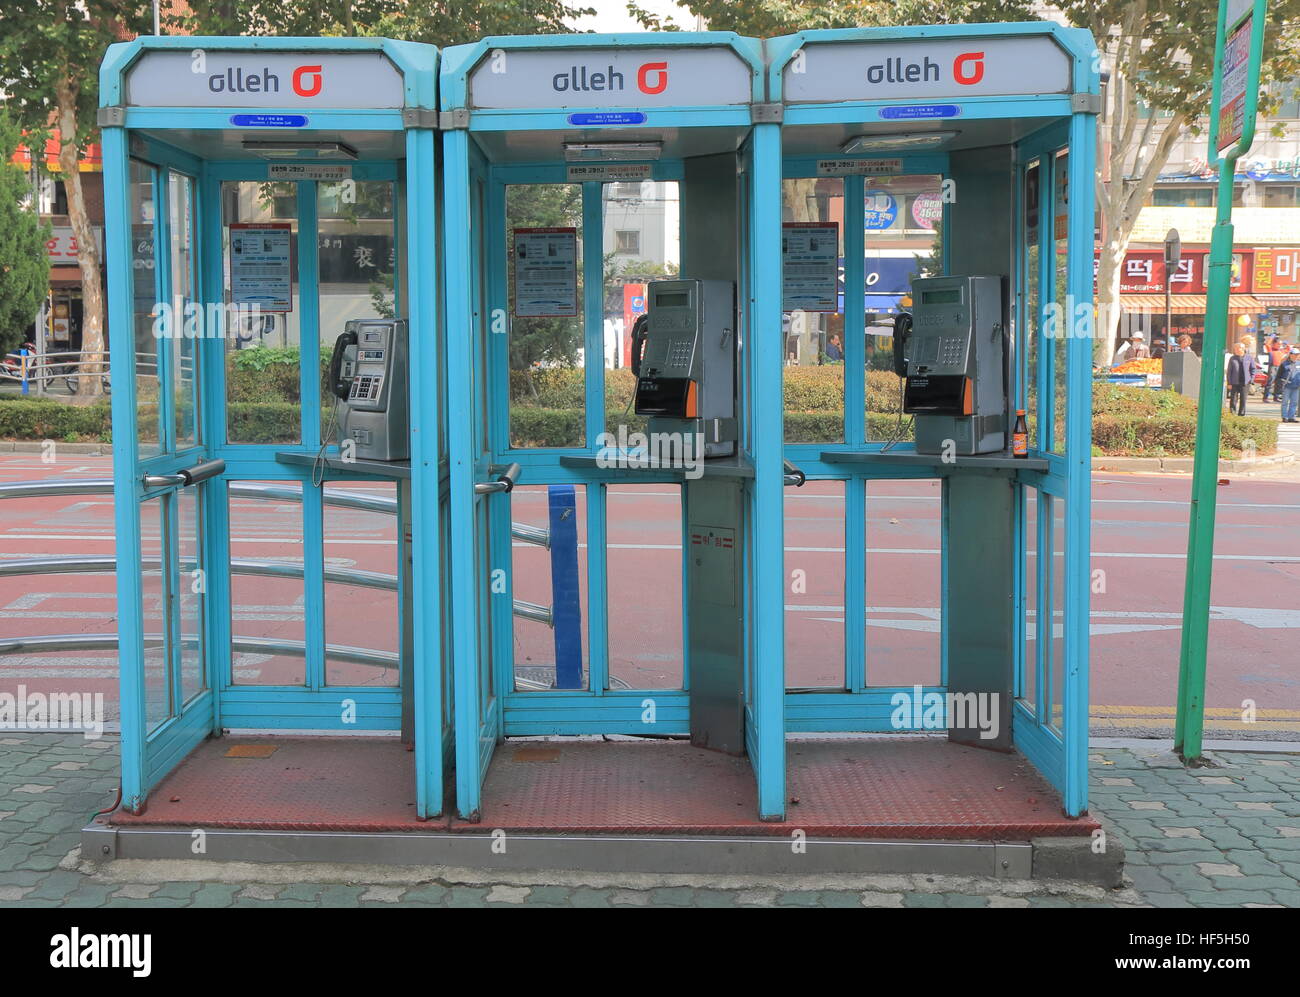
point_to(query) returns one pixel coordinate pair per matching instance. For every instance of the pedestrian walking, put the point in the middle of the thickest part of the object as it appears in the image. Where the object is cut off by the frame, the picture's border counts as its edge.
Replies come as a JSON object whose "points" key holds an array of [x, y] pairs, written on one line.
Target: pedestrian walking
{"points": [[1289, 377], [1277, 355], [1240, 373]]}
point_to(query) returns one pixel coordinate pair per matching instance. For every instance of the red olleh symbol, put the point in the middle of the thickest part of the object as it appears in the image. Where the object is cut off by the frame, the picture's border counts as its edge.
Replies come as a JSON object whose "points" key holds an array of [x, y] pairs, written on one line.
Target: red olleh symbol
{"points": [[660, 78], [307, 81], [976, 71]]}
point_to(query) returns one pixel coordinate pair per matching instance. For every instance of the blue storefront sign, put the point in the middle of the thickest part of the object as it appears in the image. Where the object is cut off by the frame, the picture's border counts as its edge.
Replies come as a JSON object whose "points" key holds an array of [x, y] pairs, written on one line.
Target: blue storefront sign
{"points": [[881, 210]]}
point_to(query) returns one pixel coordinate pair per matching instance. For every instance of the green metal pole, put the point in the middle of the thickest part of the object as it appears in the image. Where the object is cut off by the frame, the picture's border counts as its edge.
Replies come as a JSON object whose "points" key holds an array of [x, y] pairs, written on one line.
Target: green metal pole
{"points": [[1189, 718]]}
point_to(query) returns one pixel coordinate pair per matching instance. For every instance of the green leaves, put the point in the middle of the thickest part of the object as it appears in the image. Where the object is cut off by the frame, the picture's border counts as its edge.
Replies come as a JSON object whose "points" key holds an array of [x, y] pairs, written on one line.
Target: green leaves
{"points": [[24, 267]]}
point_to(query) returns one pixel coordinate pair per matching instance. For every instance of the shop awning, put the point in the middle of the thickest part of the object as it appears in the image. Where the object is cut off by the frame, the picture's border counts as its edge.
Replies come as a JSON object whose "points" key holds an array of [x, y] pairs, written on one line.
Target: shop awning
{"points": [[65, 277], [1280, 301], [1187, 304]]}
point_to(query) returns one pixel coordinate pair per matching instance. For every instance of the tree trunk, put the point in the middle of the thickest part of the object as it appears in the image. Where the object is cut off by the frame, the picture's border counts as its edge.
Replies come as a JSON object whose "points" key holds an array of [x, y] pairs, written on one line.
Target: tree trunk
{"points": [[1110, 269], [92, 287]]}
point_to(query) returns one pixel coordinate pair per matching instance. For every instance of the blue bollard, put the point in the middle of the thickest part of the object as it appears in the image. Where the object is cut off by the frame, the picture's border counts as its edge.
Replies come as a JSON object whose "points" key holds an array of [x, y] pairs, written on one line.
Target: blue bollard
{"points": [[566, 602]]}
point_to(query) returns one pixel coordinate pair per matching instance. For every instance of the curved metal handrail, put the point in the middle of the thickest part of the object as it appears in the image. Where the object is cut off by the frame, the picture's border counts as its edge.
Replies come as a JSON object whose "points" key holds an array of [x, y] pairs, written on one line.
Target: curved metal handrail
{"points": [[261, 645]]}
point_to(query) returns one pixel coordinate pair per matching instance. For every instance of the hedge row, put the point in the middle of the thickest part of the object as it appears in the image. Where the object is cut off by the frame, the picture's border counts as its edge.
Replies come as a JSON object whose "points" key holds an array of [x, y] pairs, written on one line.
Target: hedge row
{"points": [[806, 389], [264, 409], [1175, 436]]}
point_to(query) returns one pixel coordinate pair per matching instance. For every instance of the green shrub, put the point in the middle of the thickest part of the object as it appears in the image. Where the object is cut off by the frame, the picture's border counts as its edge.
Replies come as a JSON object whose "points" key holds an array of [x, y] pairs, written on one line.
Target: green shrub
{"points": [[46, 419], [1142, 422], [264, 374], [263, 422]]}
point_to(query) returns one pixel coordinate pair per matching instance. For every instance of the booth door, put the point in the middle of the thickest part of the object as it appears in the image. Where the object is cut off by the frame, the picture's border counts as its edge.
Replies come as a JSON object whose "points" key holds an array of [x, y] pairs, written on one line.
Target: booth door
{"points": [[1055, 374], [311, 629], [162, 546]]}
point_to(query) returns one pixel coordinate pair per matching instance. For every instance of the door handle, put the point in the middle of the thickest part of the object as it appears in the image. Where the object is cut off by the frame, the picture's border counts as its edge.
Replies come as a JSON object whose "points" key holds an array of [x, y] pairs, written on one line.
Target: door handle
{"points": [[794, 476], [200, 472], [505, 480]]}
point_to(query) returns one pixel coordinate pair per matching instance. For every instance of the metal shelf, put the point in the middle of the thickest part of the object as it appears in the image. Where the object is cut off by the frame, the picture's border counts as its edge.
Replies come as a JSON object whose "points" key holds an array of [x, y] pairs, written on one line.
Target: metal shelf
{"points": [[1001, 461], [735, 466]]}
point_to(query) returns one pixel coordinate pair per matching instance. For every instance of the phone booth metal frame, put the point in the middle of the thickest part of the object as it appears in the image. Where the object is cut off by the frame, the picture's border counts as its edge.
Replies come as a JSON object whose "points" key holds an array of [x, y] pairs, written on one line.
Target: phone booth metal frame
{"points": [[1055, 131], [487, 706], [154, 138]]}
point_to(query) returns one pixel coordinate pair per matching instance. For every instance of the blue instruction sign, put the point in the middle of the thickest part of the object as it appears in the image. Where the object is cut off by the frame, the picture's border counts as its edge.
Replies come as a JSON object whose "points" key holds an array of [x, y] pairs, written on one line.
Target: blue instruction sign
{"points": [[269, 120], [597, 119], [911, 112]]}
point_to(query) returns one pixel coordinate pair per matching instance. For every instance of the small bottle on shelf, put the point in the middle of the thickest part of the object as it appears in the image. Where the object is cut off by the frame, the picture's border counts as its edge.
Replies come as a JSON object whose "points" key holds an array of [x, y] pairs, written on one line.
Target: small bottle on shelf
{"points": [[1020, 436]]}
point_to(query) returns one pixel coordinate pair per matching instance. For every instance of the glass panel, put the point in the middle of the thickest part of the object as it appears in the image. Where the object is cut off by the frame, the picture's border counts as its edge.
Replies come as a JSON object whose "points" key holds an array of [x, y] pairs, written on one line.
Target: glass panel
{"points": [[814, 340], [144, 276], [357, 256], [266, 606], [904, 583], [903, 221], [644, 592], [814, 596], [181, 234], [262, 349], [535, 642], [1029, 679], [547, 383], [1060, 248], [641, 242], [189, 596], [1057, 681], [1033, 297], [360, 613], [153, 602]]}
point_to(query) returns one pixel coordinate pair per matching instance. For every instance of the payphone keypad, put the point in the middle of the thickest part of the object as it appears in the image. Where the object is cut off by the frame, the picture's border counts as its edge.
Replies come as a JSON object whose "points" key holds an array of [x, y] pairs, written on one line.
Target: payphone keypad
{"points": [[679, 354], [952, 351]]}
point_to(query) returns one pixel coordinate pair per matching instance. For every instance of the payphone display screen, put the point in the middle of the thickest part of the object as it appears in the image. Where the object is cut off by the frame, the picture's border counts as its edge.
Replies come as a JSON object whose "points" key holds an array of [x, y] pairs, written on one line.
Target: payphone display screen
{"points": [[945, 296], [676, 299]]}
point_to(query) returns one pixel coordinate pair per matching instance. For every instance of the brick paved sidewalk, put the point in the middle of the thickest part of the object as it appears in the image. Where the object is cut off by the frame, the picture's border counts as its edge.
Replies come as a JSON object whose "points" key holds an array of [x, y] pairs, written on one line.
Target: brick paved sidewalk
{"points": [[1220, 836]]}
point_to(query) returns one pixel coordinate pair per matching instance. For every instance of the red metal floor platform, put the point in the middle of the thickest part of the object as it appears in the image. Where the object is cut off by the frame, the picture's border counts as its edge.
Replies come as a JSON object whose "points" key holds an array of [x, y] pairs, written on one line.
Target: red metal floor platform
{"points": [[901, 788]]}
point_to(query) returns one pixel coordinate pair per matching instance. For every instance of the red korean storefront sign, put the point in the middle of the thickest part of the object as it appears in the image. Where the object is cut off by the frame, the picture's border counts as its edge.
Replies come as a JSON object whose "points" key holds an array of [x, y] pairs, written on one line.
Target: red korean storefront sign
{"points": [[1277, 270], [1143, 272]]}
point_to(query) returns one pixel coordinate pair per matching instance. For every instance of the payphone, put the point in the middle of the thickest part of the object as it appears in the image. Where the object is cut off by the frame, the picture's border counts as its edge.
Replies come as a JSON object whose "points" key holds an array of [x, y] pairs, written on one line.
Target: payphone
{"points": [[368, 374], [952, 351], [684, 359]]}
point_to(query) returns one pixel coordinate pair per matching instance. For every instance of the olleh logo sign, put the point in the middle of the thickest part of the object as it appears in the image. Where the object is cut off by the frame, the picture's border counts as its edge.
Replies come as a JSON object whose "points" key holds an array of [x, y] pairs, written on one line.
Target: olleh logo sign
{"points": [[306, 81], [967, 69], [651, 78]]}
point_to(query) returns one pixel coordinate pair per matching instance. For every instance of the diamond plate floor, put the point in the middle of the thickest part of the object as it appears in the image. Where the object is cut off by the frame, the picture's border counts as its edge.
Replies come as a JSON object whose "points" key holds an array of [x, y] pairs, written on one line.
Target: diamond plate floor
{"points": [[288, 784], [909, 788]]}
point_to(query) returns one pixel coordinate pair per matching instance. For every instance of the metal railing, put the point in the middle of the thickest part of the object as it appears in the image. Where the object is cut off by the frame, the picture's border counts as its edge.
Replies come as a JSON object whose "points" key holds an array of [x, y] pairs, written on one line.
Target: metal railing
{"points": [[42, 369], [80, 564]]}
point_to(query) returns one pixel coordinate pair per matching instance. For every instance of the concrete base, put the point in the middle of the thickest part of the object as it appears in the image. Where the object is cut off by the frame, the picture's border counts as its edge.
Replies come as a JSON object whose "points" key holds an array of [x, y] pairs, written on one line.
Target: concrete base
{"points": [[1044, 858]]}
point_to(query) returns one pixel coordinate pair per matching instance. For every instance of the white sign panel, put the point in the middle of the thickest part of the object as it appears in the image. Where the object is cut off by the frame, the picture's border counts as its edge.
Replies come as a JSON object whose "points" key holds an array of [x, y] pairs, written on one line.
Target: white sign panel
{"points": [[810, 267], [608, 171], [260, 272], [923, 70], [61, 246], [546, 271], [629, 77], [297, 80], [308, 171], [1236, 77], [859, 167]]}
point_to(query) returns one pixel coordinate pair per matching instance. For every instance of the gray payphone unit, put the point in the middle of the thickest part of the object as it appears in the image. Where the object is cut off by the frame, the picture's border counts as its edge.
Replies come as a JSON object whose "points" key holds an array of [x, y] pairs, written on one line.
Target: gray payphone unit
{"points": [[684, 358], [368, 374], [954, 359]]}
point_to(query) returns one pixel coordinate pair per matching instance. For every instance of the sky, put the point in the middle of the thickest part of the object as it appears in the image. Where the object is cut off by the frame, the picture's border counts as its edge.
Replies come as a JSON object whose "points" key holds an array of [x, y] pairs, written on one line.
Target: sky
{"points": [[612, 15]]}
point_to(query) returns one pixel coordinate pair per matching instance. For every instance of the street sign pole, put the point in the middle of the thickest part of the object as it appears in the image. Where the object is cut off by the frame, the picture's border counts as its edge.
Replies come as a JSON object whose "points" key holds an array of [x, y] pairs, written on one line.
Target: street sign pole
{"points": [[1238, 51], [1173, 256]]}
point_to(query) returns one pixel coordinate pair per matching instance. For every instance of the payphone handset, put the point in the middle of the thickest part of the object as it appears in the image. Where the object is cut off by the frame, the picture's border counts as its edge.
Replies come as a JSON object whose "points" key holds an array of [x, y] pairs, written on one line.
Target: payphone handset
{"points": [[684, 357], [368, 374], [953, 357]]}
